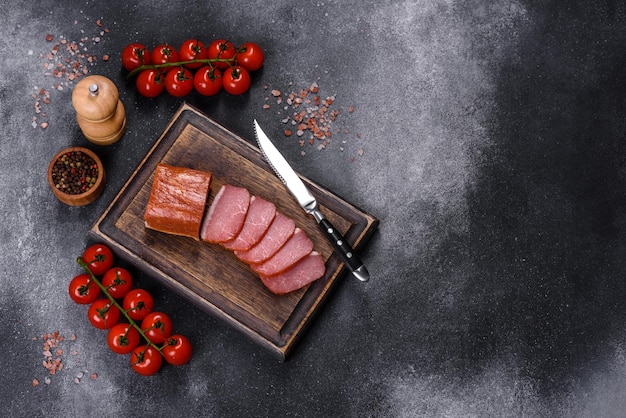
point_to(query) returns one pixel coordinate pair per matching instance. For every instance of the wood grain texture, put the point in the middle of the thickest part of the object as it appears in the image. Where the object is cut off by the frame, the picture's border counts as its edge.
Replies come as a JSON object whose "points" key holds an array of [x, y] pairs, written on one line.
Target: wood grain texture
{"points": [[207, 274]]}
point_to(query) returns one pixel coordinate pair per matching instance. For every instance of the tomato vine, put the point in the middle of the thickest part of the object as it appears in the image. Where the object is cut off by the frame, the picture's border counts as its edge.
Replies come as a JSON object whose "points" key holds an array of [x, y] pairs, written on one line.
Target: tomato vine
{"points": [[155, 328], [218, 65]]}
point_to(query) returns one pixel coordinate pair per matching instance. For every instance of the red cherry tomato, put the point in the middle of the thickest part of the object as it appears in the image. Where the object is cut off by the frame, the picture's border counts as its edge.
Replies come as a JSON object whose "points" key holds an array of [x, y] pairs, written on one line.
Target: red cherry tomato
{"points": [[98, 258], [150, 83], [207, 81], [118, 281], [164, 53], [138, 303], [134, 56], [221, 49], [236, 80], [122, 338], [146, 360], [177, 350], [250, 56], [193, 49], [157, 326], [179, 81], [83, 290], [103, 314]]}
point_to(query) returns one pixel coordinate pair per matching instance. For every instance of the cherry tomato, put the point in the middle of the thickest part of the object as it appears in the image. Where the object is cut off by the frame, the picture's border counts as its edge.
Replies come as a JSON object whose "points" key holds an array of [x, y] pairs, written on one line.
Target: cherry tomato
{"points": [[146, 360], [157, 326], [193, 49], [134, 56], [98, 258], [250, 56], [118, 281], [150, 83], [222, 49], [122, 338], [83, 290], [236, 80], [138, 303], [208, 81], [103, 314], [177, 350], [179, 81], [164, 53]]}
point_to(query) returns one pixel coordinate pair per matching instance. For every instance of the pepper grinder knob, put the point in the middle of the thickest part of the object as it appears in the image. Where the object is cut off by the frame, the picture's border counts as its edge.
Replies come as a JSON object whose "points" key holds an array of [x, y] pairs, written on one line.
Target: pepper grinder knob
{"points": [[99, 110]]}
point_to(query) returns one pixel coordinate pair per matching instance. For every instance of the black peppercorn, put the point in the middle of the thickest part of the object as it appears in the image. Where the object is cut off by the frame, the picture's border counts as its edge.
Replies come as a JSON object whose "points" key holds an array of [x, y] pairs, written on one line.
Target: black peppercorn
{"points": [[74, 172]]}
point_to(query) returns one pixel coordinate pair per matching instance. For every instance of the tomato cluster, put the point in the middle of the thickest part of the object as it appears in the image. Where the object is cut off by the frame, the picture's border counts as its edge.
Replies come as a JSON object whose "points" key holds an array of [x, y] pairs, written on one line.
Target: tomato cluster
{"points": [[111, 297], [205, 68]]}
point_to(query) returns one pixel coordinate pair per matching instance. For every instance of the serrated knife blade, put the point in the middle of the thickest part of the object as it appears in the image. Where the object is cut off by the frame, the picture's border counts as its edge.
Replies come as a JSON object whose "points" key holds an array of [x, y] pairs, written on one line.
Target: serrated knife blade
{"points": [[308, 202]]}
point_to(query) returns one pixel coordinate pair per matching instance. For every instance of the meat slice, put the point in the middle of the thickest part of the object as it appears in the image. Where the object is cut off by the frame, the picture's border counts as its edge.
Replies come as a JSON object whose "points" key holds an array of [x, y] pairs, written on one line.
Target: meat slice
{"points": [[177, 200], [280, 230], [305, 271], [297, 247], [226, 215], [260, 215]]}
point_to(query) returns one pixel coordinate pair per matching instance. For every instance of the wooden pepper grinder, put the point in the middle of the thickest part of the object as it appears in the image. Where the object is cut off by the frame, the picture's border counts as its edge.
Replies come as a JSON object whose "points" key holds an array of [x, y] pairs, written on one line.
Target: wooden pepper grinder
{"points": [[99, 110]]}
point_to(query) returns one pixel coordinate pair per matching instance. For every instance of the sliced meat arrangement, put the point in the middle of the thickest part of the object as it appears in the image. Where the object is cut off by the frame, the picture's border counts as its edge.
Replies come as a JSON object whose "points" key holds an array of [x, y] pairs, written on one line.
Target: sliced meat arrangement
{"points": [[296, 248], [280, 230], [177, 200], [305, 271], [226, 215], [250, 226], [279, 252], [260, 215]]}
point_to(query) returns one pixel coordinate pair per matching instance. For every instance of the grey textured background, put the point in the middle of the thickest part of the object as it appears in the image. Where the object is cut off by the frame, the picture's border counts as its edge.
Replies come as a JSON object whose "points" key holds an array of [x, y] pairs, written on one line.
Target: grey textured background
{"points": [[492, 138]]}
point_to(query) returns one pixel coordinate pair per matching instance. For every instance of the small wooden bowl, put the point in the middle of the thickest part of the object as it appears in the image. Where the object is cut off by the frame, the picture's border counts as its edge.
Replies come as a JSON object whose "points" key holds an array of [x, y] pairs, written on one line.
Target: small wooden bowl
{"points": [[79, 199]]}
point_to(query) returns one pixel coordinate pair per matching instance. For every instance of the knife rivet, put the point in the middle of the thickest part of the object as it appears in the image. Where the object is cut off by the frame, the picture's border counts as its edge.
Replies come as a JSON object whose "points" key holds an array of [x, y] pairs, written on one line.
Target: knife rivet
{"points": [[339, 242], [330, 230], [349, 255]]}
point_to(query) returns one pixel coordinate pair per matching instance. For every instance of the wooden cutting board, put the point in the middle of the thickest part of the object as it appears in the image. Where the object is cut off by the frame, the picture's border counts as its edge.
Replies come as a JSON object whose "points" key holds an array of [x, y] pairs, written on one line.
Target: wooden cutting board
{"points": [[207, 274]]}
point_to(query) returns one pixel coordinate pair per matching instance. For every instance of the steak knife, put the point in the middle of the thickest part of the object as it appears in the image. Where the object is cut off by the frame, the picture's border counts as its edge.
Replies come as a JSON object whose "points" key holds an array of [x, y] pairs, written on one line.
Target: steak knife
{"points": [[306, 200]]}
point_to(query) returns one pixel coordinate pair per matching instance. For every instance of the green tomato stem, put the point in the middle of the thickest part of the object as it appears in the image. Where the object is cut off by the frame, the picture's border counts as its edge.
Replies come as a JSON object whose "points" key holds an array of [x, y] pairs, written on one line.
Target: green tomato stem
{"points": [[104, 290], [210, 61]]}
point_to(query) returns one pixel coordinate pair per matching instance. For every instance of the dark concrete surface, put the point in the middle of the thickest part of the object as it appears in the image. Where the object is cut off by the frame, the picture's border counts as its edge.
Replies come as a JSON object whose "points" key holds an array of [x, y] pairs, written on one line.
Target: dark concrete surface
{"points": [[488, 138]]}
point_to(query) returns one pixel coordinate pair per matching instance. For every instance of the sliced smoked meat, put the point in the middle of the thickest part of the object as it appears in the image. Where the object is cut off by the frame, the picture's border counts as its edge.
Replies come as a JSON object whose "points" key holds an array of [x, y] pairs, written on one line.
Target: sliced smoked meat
{"points": [[305, 271], [260, 215], [280, 230], [297, 247], [177, 200], [226, 215]]}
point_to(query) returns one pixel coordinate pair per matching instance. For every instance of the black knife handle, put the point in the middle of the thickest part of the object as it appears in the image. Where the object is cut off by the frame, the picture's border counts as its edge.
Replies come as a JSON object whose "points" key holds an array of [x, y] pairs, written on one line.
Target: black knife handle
{"points": [[340, 245]]}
